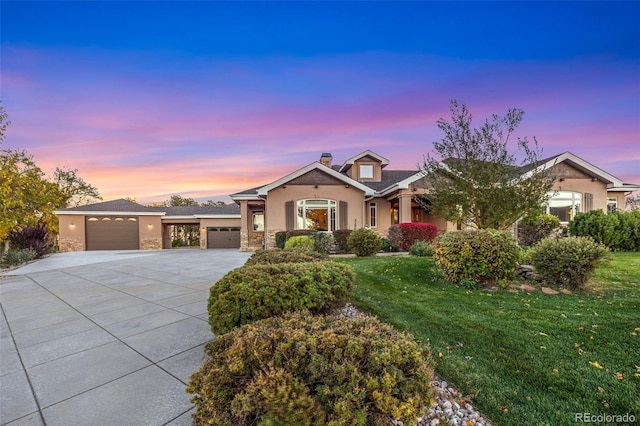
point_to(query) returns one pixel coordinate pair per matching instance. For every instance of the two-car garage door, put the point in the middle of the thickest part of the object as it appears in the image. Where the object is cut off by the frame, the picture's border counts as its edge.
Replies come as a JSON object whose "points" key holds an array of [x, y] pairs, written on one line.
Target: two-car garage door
{"points": [[112, 233]]}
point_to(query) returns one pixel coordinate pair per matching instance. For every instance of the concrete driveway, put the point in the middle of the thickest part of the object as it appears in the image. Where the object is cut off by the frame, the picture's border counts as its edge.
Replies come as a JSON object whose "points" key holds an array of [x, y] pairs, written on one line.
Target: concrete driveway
{"points": [[106, 338]]}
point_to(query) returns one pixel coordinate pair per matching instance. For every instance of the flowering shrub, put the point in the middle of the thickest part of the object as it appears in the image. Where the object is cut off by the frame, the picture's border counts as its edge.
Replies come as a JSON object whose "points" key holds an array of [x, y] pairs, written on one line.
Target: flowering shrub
{"points": [[404, 235], [303, 370]]}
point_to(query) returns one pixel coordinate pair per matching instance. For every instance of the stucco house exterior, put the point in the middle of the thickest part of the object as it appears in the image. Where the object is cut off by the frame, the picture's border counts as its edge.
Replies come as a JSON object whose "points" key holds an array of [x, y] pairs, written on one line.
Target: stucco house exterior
{"points": [[362, 191]]}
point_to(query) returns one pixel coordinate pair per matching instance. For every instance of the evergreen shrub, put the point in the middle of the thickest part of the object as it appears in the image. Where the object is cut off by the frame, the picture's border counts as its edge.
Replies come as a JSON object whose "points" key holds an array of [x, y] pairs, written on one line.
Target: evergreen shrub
{"points": [[568, 262], [262, 257], [322, 242], [281, 239], [340, 237], [304, 370], [17, 257], [421, 248], [620, 231], [255, 292], [482, 256], [364, 242]]}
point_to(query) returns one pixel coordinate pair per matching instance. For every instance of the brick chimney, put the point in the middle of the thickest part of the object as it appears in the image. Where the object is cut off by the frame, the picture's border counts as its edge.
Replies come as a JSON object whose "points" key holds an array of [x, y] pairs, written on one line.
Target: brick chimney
{"points": [[326, 159]]}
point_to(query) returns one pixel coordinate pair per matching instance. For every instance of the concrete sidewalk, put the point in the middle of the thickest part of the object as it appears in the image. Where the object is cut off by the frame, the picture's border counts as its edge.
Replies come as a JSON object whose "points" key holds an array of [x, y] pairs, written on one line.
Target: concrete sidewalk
{"points": [[106, 338]]}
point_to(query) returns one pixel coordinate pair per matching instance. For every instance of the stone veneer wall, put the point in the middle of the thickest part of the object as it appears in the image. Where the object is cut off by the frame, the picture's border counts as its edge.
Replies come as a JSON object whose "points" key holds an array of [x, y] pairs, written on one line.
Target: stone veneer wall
{"points": [[70, 244], [151, 244]]}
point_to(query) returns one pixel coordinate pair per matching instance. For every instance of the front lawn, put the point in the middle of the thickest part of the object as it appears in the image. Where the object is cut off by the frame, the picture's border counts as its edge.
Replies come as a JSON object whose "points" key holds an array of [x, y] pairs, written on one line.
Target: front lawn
{"points": [[524, 358]]}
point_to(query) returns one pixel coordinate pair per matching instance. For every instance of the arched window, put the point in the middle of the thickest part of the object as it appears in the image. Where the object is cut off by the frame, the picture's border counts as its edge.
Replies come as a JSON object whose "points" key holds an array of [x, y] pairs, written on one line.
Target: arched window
{"points": [[319, 215], [564, 205]]}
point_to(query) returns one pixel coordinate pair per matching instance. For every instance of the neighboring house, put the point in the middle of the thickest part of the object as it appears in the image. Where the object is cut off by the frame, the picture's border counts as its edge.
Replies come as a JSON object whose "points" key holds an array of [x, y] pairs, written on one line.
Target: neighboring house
{"points": [[361, 192]]}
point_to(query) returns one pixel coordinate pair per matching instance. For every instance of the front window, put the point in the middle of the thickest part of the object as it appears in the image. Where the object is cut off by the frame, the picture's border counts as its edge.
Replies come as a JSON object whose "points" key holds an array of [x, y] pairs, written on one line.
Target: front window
{"points": [[373, 215], [564, 205], [366, 171], [258, 221], [612, 204], [319, 215]]}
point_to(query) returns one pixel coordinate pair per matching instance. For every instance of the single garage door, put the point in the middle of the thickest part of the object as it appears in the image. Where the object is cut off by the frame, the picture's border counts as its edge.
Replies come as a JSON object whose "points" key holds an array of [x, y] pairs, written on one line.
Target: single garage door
{"points": [[112, 233], [223, 237]]}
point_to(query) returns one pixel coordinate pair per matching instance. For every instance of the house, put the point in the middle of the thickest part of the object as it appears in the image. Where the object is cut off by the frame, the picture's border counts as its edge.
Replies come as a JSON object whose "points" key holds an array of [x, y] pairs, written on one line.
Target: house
{"points": [[363, 191]]}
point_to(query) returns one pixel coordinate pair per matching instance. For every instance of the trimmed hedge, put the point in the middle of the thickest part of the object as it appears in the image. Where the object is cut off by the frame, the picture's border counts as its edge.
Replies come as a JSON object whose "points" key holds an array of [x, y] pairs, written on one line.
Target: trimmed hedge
{"points": [[262, 257], [364, 242], [255, 292], [620, 231], [404, 235], [304, 370], [569, 261], [485, 255], [533, 229]]}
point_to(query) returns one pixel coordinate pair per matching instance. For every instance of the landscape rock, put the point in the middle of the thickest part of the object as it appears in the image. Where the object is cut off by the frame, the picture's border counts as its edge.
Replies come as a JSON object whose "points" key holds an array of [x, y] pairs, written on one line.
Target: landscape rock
{"points": [[550, 291]]}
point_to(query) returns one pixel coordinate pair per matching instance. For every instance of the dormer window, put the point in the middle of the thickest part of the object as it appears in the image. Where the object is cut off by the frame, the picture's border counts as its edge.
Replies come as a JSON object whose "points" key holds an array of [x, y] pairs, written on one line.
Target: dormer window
{"points": [[366, 171]]}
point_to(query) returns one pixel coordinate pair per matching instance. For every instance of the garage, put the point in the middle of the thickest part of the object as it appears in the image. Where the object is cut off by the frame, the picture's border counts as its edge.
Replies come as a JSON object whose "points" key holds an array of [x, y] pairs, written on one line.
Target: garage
{"points": [[112, 233], [223, 238]]}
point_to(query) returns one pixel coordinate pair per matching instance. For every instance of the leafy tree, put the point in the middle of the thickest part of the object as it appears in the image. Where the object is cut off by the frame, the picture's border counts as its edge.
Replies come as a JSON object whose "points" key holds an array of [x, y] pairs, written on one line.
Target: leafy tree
{"points": [[179, 201], [474, 179], [26, 196], [74, 189]]}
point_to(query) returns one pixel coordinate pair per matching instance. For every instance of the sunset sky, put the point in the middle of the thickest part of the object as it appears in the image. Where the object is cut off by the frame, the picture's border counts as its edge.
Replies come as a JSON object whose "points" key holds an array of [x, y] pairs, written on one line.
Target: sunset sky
{"points": [[148, 99]]}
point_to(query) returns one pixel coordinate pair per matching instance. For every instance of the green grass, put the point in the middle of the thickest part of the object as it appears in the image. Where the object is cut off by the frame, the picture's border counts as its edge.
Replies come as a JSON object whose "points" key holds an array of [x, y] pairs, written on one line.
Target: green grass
{"points": [[524, 358]]}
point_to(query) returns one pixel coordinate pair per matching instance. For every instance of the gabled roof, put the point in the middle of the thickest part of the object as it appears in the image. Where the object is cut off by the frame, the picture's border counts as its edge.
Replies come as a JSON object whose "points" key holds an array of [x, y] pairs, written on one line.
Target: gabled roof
{"points": [[345, 166], [120, 206], [314, 166], [614, 184]]}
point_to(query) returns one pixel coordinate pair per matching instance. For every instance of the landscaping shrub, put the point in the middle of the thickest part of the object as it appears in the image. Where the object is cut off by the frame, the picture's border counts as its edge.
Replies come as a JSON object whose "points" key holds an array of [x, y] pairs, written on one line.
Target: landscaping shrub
{"points": [[421, 248], [281, 239], [36, 238], [262, 257], [484, 255], [387, 246], [301, 242], [404, 235], [17, 257], [300, 232], [255, 292], [364, 242], [532, 229], [620, 231], [305, 370], [322, 242], [340, 237], [568, 262]]}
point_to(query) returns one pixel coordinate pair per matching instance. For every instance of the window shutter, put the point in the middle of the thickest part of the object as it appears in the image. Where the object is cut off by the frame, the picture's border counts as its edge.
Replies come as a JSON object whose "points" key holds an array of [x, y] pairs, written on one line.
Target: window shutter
{"points": [[289, 215], [343, 215], [588, 202]]}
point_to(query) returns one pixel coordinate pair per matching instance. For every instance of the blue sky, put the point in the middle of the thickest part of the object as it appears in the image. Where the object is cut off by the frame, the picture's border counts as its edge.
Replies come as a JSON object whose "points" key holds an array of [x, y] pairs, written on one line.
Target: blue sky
{"points": [[203, 99]]}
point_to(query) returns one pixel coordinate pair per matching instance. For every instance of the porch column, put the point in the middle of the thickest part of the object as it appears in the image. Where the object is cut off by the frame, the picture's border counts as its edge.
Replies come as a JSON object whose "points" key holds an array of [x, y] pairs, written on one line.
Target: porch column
{"points": [[404, 205], [244, 226]]}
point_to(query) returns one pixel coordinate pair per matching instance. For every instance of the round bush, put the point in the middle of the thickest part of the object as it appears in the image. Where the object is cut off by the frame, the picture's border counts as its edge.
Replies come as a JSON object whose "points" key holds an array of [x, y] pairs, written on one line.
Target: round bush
{"points": [[482, 256], [255, 292], [262, 257], [300, 242], [568, 262], [305, 370], [421, 248], [364, 242]]}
